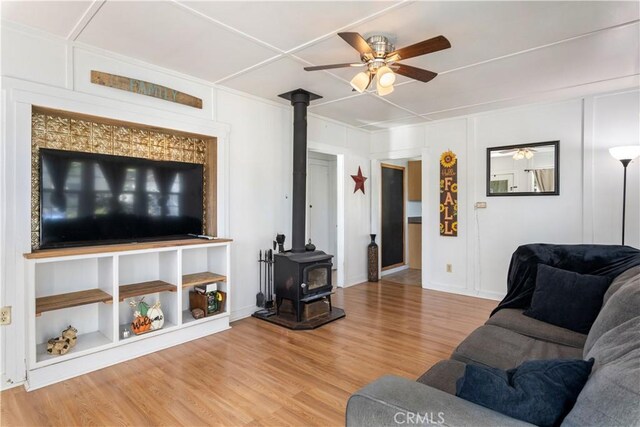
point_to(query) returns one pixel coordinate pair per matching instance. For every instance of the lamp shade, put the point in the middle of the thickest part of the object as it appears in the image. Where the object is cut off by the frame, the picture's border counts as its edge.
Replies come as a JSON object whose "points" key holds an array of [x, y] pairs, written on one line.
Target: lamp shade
{"points": [[385, 76], [361, 81], [626, 152], [382, 91]]}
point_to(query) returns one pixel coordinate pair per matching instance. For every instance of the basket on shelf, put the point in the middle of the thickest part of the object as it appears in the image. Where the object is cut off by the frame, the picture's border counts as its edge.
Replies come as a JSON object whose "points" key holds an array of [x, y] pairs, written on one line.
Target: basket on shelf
{"points": [[211, 303]]}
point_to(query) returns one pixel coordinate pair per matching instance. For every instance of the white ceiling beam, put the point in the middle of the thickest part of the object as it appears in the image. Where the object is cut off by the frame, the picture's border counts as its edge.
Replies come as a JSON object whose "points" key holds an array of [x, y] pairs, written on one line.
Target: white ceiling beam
{"points": [[85, 19]]}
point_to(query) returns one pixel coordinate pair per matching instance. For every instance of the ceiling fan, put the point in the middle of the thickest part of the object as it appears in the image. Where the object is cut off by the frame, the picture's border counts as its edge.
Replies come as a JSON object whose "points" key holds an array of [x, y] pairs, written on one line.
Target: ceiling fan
{"points": [[381, 58]]}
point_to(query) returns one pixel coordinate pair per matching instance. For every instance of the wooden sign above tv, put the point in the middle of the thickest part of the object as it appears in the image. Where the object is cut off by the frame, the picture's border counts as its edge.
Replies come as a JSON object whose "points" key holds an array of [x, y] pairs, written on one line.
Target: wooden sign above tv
{"points": [[144, 88]]}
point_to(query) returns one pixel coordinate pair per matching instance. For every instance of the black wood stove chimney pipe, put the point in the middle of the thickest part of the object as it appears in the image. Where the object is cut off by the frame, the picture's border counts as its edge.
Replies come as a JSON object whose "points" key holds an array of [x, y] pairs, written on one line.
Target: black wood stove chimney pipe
{"points": [[300, 99]]}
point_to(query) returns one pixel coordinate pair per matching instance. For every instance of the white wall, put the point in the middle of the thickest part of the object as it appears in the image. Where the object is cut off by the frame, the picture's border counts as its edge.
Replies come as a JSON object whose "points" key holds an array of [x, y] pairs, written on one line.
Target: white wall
{"points": [[588, 209], [255, 166], [351, 146], [615, 123]]}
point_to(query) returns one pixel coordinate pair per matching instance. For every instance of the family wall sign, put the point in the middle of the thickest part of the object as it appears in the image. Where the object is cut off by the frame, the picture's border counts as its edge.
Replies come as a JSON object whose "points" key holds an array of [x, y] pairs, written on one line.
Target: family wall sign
{"points": [[144, 88]]}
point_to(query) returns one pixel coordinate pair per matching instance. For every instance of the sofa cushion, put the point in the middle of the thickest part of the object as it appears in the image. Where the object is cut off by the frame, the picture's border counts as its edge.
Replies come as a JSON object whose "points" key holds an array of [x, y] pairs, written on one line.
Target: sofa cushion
{"points": [[540, 392], [514, 320], [633, 272], [443, 375], [567, 299], [504, 349], [622, 304], [611, 396]]}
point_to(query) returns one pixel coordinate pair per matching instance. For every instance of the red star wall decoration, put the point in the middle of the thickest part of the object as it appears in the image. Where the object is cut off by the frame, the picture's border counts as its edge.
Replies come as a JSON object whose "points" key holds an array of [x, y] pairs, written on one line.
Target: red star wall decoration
{"points": [[359, 179]]}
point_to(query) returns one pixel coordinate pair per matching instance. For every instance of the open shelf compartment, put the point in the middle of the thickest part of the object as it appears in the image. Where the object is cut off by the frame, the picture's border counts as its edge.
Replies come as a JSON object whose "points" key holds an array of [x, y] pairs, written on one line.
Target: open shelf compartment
{"points": [[202, 266], [74, 293], [152, 277]]}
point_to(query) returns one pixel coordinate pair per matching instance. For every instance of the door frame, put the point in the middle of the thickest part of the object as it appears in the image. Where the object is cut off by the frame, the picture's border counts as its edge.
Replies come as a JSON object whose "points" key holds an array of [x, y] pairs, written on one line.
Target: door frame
{"points": [[404, 209], [339, 258]]}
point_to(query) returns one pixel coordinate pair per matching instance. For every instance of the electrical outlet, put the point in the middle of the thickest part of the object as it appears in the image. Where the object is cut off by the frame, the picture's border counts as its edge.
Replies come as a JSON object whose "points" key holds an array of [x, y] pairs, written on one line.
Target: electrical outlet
{"points": [[449, 268], [5, 316]]}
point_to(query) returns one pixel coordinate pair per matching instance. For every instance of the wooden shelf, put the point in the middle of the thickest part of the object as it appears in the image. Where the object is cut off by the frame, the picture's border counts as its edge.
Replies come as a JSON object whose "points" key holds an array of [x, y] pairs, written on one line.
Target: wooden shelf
{"points": [[87, 250], [145, 288], [72, 299], [201, 279]]}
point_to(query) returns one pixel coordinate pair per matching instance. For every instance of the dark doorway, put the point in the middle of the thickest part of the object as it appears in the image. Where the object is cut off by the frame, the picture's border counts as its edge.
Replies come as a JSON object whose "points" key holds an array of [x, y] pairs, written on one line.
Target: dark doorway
{"points": [[392, 242]]}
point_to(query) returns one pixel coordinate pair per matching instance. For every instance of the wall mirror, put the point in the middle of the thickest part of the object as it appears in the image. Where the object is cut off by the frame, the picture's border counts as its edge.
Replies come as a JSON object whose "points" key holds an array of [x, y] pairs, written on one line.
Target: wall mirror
{"points": [[524, 170]]}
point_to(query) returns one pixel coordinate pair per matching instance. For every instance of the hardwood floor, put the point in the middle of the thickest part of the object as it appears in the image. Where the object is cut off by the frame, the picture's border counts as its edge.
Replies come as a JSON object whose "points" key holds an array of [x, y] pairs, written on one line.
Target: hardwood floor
{"points": [[410, 276], [260, 374]]}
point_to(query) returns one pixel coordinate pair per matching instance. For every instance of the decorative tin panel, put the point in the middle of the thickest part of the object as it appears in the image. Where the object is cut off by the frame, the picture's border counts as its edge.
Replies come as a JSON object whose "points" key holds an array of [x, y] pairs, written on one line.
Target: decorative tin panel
{"points": [[59, 131]]}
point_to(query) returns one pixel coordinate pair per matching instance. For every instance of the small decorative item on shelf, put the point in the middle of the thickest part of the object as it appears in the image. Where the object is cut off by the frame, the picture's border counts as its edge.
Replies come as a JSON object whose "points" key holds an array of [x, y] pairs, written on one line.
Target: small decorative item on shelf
{"points": [[141, 322], [62, 344], [210, 303], [157, 317], [372, 256], [197, 313], [126, 333]]}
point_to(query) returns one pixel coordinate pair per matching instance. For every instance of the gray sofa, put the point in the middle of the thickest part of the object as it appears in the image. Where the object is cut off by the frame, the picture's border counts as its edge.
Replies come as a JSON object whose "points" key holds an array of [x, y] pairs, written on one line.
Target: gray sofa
{"points": [[611, 396]]}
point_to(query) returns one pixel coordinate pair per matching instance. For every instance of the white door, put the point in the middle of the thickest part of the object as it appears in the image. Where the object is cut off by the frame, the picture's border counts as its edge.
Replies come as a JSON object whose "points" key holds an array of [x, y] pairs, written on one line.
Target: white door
{"points": [[321, 196]]}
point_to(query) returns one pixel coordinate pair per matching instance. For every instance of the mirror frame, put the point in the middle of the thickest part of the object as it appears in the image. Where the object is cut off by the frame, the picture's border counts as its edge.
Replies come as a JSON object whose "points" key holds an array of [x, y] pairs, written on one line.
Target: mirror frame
{"points": [[556, 177]]}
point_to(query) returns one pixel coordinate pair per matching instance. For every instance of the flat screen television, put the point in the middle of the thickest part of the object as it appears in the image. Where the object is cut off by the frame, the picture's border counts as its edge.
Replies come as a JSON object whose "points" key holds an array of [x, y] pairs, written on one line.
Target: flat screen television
{"points": [[91, 199]]}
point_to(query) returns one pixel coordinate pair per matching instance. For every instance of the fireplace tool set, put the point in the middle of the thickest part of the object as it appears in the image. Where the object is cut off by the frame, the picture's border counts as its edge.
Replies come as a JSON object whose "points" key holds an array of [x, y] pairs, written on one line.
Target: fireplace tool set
{"points": [[265, 271]]}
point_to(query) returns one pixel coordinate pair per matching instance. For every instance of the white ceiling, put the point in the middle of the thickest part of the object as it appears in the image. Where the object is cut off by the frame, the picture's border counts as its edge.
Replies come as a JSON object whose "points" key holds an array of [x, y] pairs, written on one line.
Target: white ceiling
{"points": [[502, 52]]}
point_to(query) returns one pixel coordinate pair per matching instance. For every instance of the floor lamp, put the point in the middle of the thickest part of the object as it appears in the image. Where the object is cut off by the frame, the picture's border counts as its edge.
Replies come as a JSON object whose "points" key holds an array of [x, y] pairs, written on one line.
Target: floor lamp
{"points": [[625, 154]]}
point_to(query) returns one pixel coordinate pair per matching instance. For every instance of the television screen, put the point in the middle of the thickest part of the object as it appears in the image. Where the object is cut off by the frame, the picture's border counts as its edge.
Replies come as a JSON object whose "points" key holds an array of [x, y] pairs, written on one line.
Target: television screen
{"points": [[88, 199]]}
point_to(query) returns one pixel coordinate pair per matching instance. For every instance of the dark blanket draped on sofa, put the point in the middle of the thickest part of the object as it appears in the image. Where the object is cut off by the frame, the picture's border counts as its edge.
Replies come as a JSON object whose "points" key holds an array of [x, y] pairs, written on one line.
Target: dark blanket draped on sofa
{"points": [[599, 260]]}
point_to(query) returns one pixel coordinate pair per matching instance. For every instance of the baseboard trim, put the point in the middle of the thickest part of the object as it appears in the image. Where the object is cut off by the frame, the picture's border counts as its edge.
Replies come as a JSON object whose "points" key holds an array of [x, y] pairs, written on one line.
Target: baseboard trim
{"points": [[496, 296], [356, 281], [394, 270], [7, 386], [491, 295], [242, 313]]}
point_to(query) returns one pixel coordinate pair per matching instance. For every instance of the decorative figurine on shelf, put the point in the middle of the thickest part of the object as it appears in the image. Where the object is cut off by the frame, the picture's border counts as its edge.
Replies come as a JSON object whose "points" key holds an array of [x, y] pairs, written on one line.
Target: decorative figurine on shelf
{"points": [[197, 313], [62, 344], [141, 322], [70, 335], [157, 317]]}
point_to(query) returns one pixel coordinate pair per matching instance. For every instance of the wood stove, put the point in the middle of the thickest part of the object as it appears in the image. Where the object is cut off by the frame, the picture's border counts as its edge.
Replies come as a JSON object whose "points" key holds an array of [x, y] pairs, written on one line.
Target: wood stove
{"points": [[302, 278]]}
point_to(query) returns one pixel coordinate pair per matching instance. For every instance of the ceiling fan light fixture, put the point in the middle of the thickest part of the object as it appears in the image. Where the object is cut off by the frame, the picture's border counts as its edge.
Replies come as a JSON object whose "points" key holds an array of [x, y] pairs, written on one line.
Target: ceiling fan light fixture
{"points": [[382, 91], [528, 154], [360, 81], [519, 155], [386, 77]]}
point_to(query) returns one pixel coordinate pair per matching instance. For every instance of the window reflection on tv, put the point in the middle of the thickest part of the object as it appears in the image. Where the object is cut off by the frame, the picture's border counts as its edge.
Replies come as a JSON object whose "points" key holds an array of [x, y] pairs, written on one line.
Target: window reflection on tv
{"points": [[88, 199]]}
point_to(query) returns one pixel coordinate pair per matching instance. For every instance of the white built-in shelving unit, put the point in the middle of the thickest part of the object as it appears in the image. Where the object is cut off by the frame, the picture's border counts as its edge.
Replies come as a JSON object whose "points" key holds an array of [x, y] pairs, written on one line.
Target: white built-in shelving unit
{"points": [[90, 289]]}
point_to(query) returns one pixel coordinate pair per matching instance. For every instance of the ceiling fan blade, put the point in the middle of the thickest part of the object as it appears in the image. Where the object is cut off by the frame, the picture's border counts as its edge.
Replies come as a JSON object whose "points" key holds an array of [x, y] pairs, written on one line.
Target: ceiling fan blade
{"points": [[328, 67], [426, 46], [415, 72], [357, 42]]}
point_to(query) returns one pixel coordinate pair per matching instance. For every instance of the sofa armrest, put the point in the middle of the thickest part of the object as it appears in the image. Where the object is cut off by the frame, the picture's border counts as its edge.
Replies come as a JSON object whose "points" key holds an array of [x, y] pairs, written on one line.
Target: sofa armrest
{"points": [[395, 401]]}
